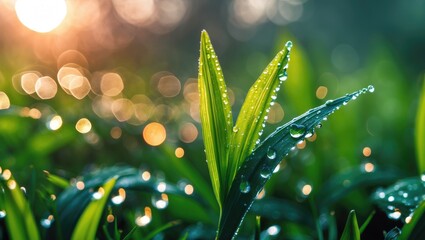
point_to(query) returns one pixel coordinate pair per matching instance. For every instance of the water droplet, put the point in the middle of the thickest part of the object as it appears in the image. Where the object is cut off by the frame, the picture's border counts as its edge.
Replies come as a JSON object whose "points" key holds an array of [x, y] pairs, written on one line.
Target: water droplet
{"points": [[160, 201], [265, 172], [2, 214], [271, 153], [395, 215], [283, 75], [391, 199], [235, 129], [244, 187], [288, 45], [297, 130], [47, 222], [319, 125]]}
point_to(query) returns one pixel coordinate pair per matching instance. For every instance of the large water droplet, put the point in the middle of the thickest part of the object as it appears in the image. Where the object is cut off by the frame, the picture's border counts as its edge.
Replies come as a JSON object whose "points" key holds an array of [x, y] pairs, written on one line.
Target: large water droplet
{"points": [[297, 130], [271, 153], [235, 129], [244, 187], [371, 88], [283, 75]]}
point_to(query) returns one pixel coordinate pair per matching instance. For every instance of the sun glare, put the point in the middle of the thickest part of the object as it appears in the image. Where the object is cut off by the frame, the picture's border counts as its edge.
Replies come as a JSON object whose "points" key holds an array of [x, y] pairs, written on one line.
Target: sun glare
{"points": [[41, 15]]}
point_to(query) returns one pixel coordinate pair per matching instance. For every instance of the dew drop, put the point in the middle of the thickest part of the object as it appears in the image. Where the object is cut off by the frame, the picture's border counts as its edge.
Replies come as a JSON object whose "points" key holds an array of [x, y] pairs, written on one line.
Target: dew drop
{"points": [[2, 214], [319, 125], [244, 187], [271, 153], [235, 129], [288, 45], [297, 130], [283, 75], [265, 172], [371, 88]]}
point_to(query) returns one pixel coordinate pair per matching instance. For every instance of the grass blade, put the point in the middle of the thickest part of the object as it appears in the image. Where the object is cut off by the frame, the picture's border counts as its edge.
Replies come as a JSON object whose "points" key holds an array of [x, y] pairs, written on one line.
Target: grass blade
{"points": [[259, 166], [420, 132], [366, 223], [351, 230], [56, 180], [87, 225], [415, 229], [216, 117], [19, 219], [254, 111], [161, 229]]}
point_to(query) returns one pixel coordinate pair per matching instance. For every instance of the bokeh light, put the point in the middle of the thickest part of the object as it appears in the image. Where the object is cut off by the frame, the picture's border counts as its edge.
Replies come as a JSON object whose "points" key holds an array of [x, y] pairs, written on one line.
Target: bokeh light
{"points": [[46, 87], [4, 101], [154, 134], [367, 151], [111, 84], [41, 15], [321, 92], [188, 132], [83, 125], [179, 152], [169, 86], [55, 122]]}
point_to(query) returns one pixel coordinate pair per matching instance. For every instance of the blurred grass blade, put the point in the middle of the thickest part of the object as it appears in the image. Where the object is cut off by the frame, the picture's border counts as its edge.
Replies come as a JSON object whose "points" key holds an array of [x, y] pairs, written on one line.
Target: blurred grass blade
{"points": [[399, 200], [254, 111], [258, 167], [216, 117], [351, 230], [420, 132], [87, 225], [19, 218], [56, 180], [415, 229], [161, 229], [366, 223]]}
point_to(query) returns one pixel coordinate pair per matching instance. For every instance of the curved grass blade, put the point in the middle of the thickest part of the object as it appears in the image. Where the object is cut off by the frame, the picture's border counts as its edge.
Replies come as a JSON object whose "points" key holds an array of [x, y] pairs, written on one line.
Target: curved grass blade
{"points": [[19, 218], [162, 229], [87, 225], [255, 109], [415, 229], [420, 132], [56, 180], [258, 167], [351, 229], [216, 117], [366, 223]]}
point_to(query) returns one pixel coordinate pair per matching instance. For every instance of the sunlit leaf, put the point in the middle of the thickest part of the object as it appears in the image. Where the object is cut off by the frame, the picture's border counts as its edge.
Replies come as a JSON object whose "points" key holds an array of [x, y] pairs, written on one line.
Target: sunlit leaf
{"points": [[398, 201], [216, 117], [19, 217], [420, 132], [255, 109], [87, 225], [415, 229], [258, 167], [351, 230]]}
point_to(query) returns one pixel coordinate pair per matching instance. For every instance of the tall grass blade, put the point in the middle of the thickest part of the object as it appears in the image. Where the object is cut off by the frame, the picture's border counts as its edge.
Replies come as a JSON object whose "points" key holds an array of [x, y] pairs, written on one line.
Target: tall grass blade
{"points": [[19, 218], [415, 229], [420, 132], [87, 225], [258, 167], [351, 230], [250, 123], [216, 117]]}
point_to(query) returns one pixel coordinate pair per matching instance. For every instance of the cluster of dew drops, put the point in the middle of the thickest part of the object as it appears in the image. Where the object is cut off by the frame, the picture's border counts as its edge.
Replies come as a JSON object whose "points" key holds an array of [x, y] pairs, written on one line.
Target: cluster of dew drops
{"points": [[297, 131]]}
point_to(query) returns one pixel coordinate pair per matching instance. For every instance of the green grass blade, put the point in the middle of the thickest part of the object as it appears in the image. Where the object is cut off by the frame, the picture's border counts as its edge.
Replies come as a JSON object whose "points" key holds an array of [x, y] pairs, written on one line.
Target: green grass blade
{"points": [[258, 167], [351, 230], [161, 229], [415, 229], [420, 132], [216, 116], [19, 218], [366, 223], [87, 225], [254, 111], [56, 180]]}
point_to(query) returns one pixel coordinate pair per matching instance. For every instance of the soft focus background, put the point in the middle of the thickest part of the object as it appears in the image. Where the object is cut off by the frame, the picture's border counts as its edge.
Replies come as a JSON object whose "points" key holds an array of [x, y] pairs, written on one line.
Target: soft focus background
{"points": [[86, 84]]}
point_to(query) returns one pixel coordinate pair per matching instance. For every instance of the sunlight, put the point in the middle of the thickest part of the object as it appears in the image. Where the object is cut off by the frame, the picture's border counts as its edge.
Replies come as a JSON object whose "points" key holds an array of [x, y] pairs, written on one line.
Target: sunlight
{"points": [[41, 15]]}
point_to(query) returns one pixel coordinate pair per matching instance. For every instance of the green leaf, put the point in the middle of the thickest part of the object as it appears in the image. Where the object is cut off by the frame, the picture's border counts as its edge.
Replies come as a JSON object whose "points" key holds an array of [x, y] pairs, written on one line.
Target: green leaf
{"points": [[366, 223], [415, 229], [258, 167], [216, 117], [402, 198], [87, 225], [420, 132], [351, 230], [19, 217], [254, 111], [161, 229]]}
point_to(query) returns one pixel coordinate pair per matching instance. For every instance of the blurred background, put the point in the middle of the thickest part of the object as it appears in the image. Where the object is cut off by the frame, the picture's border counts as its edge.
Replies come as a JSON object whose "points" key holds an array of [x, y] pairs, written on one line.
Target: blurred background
{"points": [[88, 84]]}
